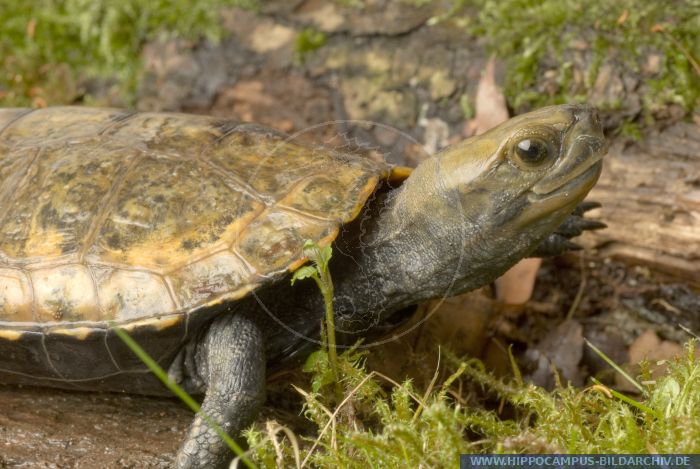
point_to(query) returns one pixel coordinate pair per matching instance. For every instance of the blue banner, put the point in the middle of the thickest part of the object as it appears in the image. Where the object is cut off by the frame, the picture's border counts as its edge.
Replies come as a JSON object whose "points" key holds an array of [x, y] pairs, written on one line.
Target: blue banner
{"points": [[583, 461]]}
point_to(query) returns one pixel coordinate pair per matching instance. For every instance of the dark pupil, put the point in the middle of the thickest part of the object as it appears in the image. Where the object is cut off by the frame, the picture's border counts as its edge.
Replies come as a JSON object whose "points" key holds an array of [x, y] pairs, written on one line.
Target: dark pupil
{"points": [[531, 151]]}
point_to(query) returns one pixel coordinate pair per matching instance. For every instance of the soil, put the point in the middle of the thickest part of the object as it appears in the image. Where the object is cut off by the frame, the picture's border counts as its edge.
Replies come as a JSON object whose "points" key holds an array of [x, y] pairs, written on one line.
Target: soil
{"points": [[47, 428], [376, 66]]}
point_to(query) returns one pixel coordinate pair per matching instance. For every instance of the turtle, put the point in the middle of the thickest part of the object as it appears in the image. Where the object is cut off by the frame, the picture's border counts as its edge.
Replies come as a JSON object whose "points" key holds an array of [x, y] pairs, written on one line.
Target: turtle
{"points": [[184, 231]]}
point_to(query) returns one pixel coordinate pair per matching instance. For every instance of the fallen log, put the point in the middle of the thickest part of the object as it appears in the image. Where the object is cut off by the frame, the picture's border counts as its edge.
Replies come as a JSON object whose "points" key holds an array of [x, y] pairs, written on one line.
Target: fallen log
{"points": [[650, 192]]}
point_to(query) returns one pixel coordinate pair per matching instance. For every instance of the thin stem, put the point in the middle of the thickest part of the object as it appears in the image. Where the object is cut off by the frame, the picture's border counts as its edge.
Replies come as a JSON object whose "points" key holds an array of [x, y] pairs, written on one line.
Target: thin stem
{"points": [[325, 284], [322, 276]]}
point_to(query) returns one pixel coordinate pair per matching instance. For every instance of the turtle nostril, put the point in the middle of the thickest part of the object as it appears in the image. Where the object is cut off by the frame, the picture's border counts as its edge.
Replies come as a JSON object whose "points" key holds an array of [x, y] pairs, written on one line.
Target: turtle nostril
{"points": [[588, 117]]}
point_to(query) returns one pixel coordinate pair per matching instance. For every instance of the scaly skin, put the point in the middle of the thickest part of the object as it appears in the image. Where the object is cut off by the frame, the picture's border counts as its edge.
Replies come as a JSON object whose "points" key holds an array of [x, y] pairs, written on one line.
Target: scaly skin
{"points": [[230, 361]]}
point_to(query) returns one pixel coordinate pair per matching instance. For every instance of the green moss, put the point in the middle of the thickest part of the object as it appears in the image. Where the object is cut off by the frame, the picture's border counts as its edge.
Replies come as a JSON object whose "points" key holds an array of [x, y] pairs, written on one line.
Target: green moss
{"points": [[631, 130], [407, 427], [360, 424], [46, 44], [308, 40], [537, 36], [466, 106]]}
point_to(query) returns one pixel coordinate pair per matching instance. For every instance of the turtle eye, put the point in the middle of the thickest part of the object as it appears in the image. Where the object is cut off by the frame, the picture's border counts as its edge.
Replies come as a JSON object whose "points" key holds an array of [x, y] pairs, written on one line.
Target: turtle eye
{"points": [[532, 151]]}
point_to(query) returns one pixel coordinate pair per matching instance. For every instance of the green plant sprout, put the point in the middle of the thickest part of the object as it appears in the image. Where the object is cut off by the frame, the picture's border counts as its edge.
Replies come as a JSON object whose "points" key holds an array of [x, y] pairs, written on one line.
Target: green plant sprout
{"points": [[320, 257]]}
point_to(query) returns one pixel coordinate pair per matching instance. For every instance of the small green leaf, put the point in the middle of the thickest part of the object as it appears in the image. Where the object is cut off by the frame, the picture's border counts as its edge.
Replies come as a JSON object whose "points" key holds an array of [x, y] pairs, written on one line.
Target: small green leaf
{"points": [[318, 360], [309, 245], [306, 271], [318, 364], [325, 254], [321, 256], [665, 396]]}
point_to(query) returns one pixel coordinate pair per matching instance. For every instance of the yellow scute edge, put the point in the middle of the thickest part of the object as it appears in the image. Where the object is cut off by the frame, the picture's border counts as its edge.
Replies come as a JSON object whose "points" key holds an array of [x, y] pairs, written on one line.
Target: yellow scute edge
{"points": [[231, 296], [80, 333], [8, 334], [158, 323], [398, 174]]}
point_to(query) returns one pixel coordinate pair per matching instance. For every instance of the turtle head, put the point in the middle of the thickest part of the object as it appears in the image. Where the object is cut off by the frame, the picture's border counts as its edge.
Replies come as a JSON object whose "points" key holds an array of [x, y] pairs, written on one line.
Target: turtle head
{"points": [[522, 178], [467, 214], [470, 212]]}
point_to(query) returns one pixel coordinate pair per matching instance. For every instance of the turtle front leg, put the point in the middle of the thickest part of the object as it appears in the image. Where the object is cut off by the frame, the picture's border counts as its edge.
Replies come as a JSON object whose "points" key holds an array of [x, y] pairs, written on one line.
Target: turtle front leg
{"points": [[574, 225], [230, 359]]}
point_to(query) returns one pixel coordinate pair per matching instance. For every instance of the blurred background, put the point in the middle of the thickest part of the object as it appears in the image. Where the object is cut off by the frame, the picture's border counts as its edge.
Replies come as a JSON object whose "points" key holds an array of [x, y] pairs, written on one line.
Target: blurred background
{"points": [[431, 72]]}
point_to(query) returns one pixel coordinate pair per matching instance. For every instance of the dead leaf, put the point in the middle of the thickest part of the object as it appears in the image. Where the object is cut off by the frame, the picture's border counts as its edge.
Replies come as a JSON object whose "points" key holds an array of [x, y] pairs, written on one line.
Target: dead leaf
{"points": [[515, 287], [561, 349], [490, 103], [461, 321], [496, 358], [623, 17], [649, 346]]}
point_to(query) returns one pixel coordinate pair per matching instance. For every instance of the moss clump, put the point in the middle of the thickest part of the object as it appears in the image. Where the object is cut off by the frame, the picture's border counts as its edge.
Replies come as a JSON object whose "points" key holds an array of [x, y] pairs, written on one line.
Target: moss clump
{"points": [[597, 419], [406, 427], [308, 40], [362, 424], [48, 47], [555, 50]]}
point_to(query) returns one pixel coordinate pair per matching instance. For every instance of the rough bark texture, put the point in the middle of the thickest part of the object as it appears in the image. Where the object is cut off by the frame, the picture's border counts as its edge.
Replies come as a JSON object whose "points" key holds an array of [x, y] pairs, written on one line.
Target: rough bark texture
{"points": [[650, 193]]}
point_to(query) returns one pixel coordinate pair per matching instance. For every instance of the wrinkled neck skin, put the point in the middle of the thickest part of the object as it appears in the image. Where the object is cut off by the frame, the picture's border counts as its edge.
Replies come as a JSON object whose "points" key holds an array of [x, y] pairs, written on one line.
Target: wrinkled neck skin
{"points": [[424, 241]]}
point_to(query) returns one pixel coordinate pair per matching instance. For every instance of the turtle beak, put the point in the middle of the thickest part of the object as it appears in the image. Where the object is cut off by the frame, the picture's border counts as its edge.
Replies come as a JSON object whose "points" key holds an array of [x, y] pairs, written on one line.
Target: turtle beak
{"points": [[575, 172]]}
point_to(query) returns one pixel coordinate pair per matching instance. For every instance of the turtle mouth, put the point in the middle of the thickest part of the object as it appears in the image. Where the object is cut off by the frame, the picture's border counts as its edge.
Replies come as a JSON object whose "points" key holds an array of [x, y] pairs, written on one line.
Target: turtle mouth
{"points": [[586, 152], [575, 189], [555, 195]]}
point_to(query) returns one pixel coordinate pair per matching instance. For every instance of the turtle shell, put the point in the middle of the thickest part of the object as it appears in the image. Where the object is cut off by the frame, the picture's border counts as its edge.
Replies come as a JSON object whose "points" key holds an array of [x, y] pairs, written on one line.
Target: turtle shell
{"points": [[144, 219]]}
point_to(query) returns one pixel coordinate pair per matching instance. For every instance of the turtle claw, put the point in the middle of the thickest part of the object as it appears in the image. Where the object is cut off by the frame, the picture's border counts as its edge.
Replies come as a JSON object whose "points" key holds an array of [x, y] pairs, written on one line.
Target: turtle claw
{"points": [[571, 246], [592, 225], [585, 206], [555, 245], [574, 225]]}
